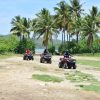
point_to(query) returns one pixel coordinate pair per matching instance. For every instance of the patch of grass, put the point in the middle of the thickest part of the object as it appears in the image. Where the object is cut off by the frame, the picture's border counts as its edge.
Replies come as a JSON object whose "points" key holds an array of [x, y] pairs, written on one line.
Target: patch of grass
{"points": [[92, 87], [92, 63], [78, 76], [89, 54], [47, 78], [7, 55]]}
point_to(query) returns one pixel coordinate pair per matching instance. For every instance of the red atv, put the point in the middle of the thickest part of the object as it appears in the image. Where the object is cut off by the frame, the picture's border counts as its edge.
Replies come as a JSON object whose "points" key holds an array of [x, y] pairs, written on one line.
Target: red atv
{"points": [[28, 57], [67, 63]]}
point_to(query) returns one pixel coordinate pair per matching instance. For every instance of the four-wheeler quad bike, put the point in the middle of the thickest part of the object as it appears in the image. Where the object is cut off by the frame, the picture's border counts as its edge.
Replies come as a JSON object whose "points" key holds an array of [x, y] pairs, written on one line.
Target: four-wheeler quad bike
{"points": [[45, 58], [28, 57], [67, 63]]}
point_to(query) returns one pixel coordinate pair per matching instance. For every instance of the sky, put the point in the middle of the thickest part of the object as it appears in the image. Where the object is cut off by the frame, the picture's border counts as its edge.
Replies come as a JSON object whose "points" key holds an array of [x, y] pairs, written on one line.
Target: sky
{"points": [[28, 8]]}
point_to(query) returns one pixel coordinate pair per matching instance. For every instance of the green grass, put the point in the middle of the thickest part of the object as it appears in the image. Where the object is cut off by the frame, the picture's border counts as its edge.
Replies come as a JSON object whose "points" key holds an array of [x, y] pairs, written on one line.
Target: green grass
{"points": [[7, 55], [92, 63], [89, 54], [78, 76], [47, 78], [92, 87]]}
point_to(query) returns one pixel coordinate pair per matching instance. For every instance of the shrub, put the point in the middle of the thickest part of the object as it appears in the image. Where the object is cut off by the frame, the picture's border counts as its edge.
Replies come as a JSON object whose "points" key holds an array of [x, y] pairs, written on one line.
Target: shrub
{"points": [[74, 47], [8, 44], [51, 49], [25, 43]]}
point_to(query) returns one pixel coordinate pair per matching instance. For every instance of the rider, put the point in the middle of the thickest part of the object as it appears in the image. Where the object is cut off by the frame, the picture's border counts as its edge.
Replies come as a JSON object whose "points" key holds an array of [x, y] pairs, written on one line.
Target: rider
{"points": [[66, 54], [28, 52], [45, 52]]}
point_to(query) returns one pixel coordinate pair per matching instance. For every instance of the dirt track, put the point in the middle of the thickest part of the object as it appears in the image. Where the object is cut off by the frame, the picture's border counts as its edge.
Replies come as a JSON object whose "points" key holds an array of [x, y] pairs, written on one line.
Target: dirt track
{"points": [[16, 82]]}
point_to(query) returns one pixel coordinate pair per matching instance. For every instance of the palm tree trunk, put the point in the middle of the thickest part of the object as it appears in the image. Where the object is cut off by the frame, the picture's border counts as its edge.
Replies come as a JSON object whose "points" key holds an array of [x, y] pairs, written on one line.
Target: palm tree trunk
{"points": [[28, 36], [46, 46], [62, 38], [77, 37], [64, 29], [69, 37], [20, 37]]}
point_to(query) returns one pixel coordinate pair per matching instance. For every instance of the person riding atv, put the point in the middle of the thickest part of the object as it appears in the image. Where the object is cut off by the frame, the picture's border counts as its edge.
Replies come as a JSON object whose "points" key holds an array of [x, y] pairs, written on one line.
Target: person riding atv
{"points": [[67, 61], [66, 54], [45, 52], [28, 55], [28, 51], [45, 57]]}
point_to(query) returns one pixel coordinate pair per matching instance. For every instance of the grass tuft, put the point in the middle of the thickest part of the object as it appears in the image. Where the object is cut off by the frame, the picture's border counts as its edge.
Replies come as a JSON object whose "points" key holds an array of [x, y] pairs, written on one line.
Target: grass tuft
{"points": [[92, 63], [47, 78], [92, 87], [78, 76]]}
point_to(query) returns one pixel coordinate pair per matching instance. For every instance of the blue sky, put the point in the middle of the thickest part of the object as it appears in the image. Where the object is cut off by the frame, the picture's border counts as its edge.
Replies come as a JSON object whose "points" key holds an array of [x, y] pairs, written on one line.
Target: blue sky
{"points": [[28, 8]]}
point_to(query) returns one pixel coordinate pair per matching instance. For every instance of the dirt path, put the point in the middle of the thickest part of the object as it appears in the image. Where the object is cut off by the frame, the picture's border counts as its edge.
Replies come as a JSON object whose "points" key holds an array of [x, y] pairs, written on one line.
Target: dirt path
{"points": [[16, 82]]}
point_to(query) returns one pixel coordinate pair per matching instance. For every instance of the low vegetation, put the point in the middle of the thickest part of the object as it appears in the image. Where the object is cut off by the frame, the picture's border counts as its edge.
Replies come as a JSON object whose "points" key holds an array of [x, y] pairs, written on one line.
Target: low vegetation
{"points": [[47, 78], [78, 76], [7, 55], [82, 79], [11, 44], [92, 63], [89, 55], [92, 87]]}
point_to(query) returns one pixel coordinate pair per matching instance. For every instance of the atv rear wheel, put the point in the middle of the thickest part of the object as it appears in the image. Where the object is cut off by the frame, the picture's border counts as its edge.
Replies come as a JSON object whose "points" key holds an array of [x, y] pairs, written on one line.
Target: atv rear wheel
{"points": [[74, 66], [60, 65], [65, 66]]}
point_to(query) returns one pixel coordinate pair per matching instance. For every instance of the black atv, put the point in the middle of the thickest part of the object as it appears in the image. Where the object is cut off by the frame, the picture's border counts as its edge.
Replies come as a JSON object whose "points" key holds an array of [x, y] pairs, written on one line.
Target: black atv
{"points": [[28, 57], [67, 63], [45, 58]]}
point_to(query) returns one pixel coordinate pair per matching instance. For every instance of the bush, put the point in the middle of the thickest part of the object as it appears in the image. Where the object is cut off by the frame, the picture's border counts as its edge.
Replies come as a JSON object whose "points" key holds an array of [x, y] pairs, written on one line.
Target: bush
{"points": [[12, 43], [24, 44], [51, 49], [74, 47], [8, 44], [62, 48], [70, 46]]}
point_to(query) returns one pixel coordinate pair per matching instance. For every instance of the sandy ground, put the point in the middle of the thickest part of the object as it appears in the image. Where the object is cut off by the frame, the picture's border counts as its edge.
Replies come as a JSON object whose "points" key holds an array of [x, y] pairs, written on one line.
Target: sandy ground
{"points": [[16, 81]]}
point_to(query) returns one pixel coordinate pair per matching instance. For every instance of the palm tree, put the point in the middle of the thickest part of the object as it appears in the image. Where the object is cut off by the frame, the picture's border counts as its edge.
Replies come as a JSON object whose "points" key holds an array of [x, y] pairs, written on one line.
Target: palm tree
{"points": [[76, 10], [15, 28], [20, 27], [62, 17], [90, 26], [44, 26], [32, 27], [25, 27]]}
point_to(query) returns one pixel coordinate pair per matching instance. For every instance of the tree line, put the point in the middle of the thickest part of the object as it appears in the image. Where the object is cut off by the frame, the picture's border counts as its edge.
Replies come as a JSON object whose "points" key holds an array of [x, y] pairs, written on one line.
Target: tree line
{"points": [[70, 20]]}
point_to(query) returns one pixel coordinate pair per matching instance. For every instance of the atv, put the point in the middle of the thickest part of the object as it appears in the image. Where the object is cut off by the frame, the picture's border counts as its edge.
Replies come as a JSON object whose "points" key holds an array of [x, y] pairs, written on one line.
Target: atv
{"points": [[45, 58], [67, 63], [28, 57]]}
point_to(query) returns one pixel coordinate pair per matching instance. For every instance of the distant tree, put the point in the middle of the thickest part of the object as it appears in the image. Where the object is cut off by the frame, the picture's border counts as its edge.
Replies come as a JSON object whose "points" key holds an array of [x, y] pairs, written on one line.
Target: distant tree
{"points": [[62, 17], [76, 11], [90, 26], [20, 27], [44, 26]]}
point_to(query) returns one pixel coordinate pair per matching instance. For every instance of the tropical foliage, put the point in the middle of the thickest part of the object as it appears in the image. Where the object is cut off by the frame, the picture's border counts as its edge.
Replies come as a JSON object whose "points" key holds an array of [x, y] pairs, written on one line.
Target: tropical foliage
{"points": [[8, 44], [44, 26], [91, 26], [20, 27], [69, 19]]}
